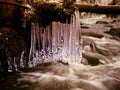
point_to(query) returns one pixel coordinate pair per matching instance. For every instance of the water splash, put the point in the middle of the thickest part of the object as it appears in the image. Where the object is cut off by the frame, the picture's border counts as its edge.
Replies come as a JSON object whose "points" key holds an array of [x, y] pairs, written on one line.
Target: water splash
{"points": [[56, 42]]}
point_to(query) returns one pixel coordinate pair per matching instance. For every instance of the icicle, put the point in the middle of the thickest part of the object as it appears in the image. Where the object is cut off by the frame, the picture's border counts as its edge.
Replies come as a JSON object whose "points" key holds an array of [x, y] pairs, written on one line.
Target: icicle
{"points": [[38, 36], [54, 35], [66, 39], [22, 59], [59, 42], [49, 39], [31, 48], [44, 41], [59, 33], [40, 33]]}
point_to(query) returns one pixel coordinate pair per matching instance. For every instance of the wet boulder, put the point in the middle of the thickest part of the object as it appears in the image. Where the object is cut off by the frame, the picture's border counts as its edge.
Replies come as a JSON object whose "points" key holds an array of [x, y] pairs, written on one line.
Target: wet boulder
{"points": [[114, 32], [102, 22]]}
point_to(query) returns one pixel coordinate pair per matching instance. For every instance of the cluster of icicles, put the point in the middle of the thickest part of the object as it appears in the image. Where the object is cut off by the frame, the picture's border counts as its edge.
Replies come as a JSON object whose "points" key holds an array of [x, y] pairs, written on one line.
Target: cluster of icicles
{"points": [[56, 42]]}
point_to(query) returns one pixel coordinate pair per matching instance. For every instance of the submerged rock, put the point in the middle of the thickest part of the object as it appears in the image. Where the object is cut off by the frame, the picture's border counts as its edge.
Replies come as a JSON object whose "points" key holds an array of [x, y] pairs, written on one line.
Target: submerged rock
{"points": [[102, 22], [114, 32]]}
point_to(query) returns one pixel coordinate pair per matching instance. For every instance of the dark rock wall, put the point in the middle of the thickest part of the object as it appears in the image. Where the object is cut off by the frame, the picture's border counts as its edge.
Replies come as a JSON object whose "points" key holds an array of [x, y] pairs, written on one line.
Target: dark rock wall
{"points": [[12, 32]]}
